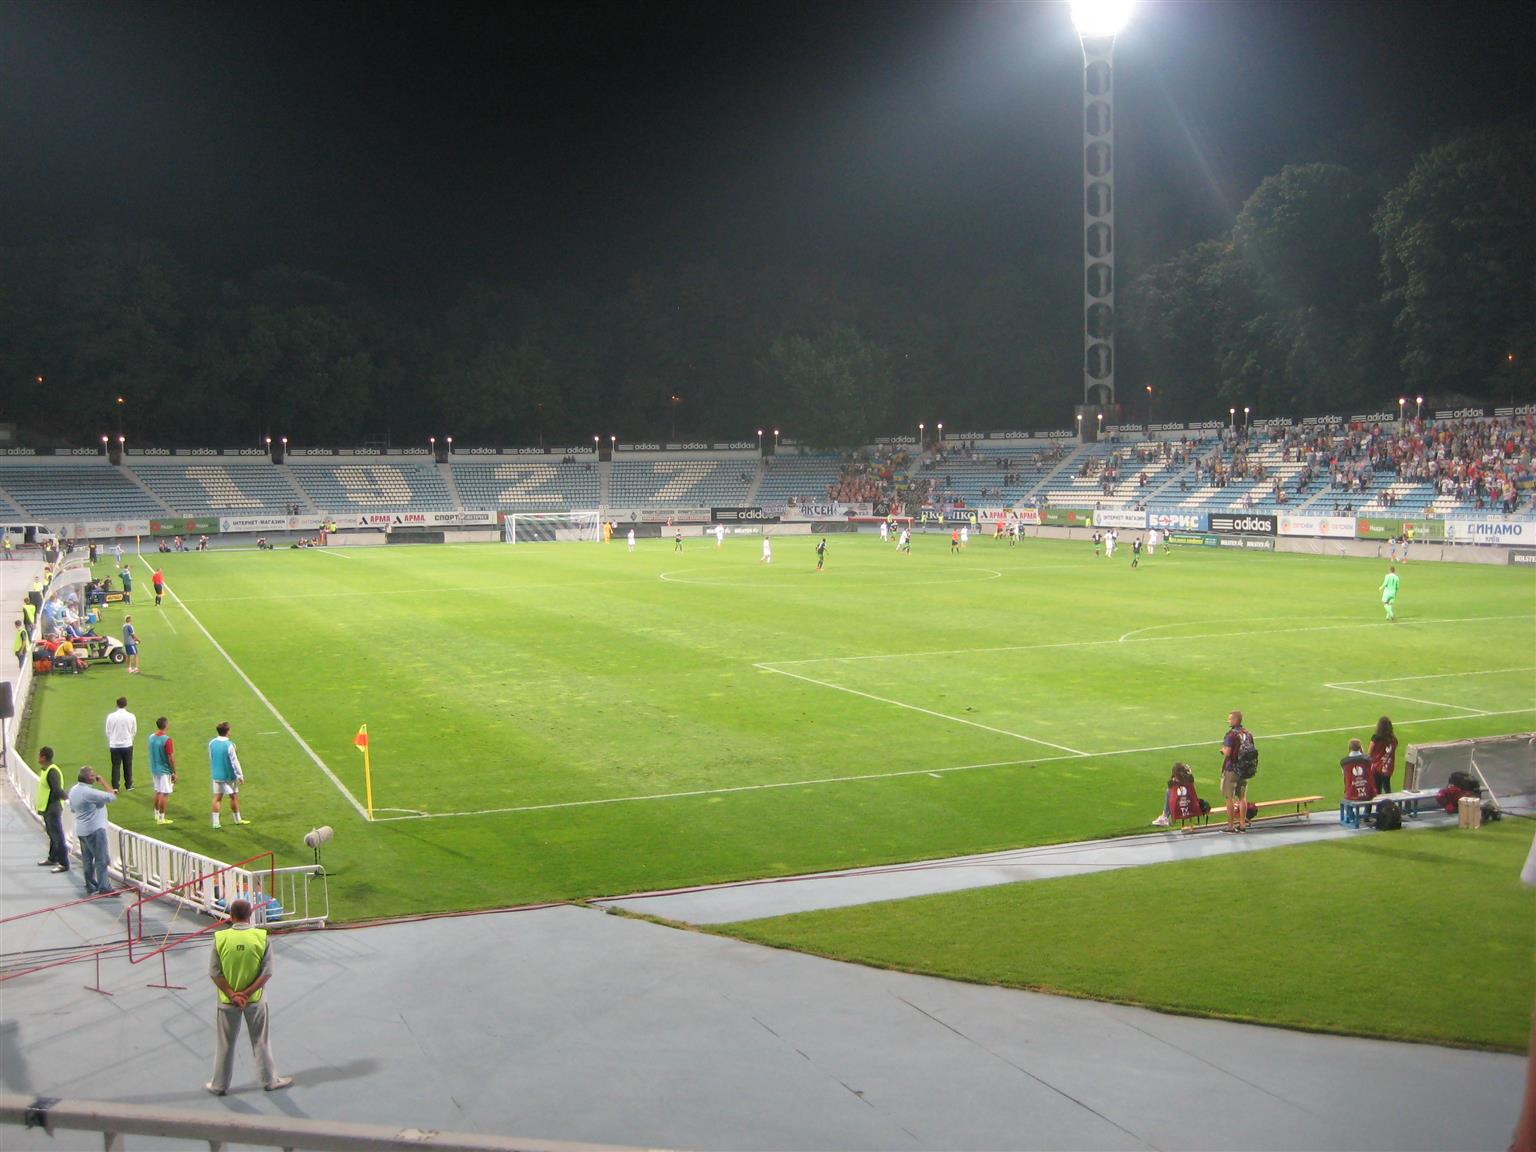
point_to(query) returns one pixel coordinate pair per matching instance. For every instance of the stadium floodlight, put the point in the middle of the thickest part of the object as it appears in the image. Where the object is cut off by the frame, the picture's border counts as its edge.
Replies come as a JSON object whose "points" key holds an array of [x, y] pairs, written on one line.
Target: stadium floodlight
{"points": [[920, 430], [1402, 403], [1246, 420], [596, 448], [941, 431], [759, 441], [1231, 419], [1097, 23], [775, 439], [1419, 411], [450, 444], [1100, 17]]}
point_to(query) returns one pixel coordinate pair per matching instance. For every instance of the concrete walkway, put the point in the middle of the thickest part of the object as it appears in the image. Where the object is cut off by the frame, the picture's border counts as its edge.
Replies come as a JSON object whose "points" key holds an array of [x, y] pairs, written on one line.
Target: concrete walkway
{"points": [[754, 899], [566, 1023]]}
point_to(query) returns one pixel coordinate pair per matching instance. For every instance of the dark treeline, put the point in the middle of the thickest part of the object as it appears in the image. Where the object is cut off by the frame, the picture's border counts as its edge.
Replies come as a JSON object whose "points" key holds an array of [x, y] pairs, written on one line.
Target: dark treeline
{"points": [[1334, 289]]}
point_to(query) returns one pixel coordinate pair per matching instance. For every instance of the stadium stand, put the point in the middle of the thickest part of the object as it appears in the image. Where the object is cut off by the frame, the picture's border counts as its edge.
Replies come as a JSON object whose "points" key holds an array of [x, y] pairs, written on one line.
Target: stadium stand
{"points": [[76, 492], [372, 485], [527, 485], [215, 488], [696, 481], [805, 478]]}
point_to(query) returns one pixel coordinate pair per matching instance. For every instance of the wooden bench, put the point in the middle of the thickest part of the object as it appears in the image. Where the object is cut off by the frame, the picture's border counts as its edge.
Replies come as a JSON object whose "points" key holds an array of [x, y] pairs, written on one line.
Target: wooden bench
{"points": [[1300, 809]]}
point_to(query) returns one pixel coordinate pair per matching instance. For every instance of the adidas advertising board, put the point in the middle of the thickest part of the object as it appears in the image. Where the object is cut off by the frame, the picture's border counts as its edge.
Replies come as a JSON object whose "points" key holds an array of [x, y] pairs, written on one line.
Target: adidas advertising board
{"points": [[1250, 522]]}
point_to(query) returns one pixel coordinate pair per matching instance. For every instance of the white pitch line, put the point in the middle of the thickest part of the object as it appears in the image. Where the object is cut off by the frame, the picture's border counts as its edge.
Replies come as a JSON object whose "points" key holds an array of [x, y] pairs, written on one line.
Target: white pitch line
{"points": [[333, 555], [924, 711], [1138, 640], [871, 776], [272, 708], [1433, 676], [1409, 699]]}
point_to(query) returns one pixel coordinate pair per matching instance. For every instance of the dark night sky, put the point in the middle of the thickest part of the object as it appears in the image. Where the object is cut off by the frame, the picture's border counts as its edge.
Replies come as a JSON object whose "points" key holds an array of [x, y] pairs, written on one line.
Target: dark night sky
{"points": [[404, 146]]}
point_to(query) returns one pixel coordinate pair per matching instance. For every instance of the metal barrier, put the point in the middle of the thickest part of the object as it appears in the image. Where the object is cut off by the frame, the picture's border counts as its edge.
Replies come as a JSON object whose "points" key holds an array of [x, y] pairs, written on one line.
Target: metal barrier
{"points": [[114, 1121], [298, 895]]}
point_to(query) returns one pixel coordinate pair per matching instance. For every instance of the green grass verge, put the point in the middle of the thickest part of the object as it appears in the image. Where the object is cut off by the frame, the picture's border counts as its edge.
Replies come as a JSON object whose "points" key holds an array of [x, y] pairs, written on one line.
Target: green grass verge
{"points": [[1425, 936]]}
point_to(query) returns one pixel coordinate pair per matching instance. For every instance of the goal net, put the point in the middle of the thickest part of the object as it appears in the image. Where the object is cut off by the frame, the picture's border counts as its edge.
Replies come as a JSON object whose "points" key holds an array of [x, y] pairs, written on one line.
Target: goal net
{"points": [[1505, 765], [550, 527]]}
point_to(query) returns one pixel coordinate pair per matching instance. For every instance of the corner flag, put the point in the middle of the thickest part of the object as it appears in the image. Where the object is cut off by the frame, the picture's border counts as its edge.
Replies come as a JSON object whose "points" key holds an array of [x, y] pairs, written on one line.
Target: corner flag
{"points": [[361, 741]]}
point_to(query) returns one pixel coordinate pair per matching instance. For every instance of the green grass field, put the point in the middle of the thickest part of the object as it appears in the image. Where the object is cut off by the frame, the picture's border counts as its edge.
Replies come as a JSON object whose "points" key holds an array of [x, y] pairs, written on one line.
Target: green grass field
{"points": [[1425, 936], [566, 721]]}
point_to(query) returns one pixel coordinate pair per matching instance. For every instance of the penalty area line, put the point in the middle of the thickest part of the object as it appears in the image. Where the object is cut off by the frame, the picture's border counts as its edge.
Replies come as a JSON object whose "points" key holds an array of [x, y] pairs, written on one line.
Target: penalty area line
{"points": [[867, 777], [924, 711], [272, 708]]}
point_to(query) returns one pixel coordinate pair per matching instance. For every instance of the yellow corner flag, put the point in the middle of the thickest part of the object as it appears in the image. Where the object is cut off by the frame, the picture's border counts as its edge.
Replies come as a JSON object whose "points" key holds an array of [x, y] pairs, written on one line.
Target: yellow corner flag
{"points": [[361, 740]]}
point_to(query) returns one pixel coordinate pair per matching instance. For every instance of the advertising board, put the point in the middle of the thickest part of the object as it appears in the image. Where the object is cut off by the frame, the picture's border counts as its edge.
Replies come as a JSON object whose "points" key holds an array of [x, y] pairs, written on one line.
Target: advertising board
{"points": [[1119, 518], [1342, 527], [1256, 523], [1490, 531]]}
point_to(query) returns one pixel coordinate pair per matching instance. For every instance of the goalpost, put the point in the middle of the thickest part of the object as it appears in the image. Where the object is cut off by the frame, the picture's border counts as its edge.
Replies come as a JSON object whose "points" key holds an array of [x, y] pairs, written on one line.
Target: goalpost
{"points": [[551, 527]]}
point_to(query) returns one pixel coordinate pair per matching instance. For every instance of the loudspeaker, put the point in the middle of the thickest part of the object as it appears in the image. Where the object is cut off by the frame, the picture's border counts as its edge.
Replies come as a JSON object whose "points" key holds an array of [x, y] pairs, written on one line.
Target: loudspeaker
{"points": [[7, 701]]}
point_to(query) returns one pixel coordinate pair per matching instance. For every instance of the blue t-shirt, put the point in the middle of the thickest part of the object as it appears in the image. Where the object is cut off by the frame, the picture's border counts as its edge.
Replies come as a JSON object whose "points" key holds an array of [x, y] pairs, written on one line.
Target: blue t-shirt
{"points": [[130, 637]]}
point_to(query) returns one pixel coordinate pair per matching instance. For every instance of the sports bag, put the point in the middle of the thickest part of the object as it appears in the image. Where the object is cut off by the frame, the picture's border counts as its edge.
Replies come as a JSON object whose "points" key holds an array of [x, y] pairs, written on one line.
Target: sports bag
{"points": [[1247, 755], [1389, 817]]}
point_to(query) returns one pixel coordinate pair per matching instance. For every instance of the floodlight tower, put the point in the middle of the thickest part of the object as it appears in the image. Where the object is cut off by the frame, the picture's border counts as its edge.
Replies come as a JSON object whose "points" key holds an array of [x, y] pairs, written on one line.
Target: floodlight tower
{"points": [[1098, 22]]}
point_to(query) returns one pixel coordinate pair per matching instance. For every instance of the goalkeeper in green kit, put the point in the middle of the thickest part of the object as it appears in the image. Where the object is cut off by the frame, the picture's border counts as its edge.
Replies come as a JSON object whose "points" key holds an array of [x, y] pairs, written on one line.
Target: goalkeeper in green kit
{"points": [[1389, 592]]}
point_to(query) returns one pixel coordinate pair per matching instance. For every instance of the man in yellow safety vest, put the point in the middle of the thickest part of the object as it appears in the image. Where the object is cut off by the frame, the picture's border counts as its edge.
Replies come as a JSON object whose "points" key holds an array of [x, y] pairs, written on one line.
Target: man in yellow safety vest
{"points": [[240, 965]]}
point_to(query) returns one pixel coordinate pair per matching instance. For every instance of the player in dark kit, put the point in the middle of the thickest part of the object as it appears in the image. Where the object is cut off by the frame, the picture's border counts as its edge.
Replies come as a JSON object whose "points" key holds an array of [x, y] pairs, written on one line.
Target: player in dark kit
{"points": [[821, 553], [677, 541], [1136, 552]]}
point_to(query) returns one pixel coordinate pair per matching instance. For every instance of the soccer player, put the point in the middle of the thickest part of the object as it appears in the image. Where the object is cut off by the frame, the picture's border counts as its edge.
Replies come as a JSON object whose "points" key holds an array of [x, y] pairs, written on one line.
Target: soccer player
{"points": [[821, 553], [1096, 543], [767, 550], [1109, 543], [127, 578], [157, 581], [131, 644], [224, 768], [965, 534], [1136, 552], [954, 540], [631, 539], [1152, 542], [677, 539], [885, 532], [1389, 593], [906, 541], [719, 536], [162, 768]]}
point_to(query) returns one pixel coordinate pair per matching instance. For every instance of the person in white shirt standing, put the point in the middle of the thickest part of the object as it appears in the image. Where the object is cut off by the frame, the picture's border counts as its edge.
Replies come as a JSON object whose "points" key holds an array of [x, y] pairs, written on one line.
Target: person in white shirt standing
{"points": [[122, 727], [719, 535]]}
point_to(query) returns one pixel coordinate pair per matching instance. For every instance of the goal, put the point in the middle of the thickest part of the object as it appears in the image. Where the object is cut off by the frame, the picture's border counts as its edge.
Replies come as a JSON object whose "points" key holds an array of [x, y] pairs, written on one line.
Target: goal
{"points": [[550, 527]]}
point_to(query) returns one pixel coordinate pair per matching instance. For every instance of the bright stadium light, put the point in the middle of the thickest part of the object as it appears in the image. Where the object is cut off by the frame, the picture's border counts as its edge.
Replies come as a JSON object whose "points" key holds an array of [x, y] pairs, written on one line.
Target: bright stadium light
{"points": [[1100, 17]]}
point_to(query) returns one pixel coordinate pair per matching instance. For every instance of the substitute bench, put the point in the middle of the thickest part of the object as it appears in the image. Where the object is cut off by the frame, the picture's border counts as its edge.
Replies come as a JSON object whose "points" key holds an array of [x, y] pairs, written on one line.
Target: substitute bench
{"points": [[1353, 812]]}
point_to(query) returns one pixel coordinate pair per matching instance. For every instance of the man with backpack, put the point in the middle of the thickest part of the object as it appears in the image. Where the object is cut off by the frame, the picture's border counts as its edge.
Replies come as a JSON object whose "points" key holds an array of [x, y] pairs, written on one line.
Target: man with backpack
{"points": [[1239, 762]]}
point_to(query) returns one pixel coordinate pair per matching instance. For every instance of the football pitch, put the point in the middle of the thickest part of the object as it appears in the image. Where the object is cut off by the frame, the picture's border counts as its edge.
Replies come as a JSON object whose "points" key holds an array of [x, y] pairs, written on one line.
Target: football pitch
{"points": [[557, 721]]}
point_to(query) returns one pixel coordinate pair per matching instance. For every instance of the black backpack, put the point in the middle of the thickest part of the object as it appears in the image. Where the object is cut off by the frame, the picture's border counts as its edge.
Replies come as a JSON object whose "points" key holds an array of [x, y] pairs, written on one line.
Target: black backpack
{"points": [[1389, 817], [1247, 755], [1466, 782]]}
